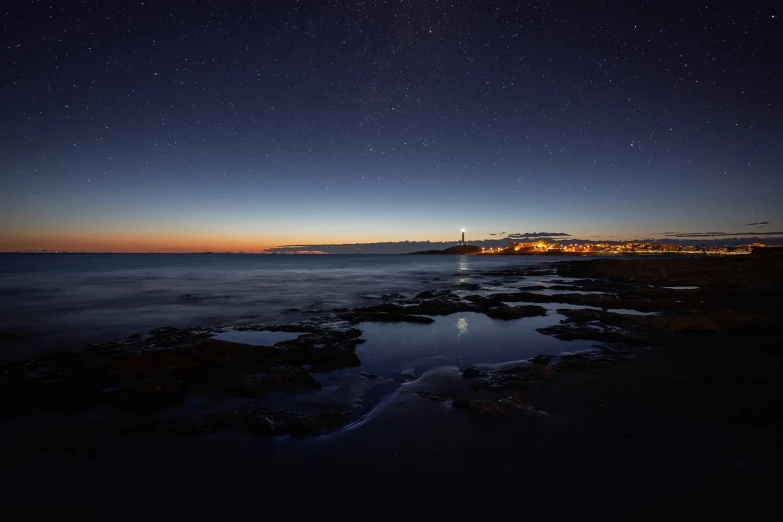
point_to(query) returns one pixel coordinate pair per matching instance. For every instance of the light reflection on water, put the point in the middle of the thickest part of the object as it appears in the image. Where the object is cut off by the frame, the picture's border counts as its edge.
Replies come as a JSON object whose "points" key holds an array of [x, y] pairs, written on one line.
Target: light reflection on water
{"points": [[462, 326], [462, 269]]}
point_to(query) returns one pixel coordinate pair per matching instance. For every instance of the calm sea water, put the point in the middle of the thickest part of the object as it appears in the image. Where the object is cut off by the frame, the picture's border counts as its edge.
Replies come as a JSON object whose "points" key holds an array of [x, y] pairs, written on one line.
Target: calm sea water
{"points": [[51, 302]]}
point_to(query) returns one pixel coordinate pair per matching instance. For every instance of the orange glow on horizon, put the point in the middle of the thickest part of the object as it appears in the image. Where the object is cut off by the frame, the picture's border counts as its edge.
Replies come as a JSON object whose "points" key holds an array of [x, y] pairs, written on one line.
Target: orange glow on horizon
{"points": [[167, 242], [172, 243]]}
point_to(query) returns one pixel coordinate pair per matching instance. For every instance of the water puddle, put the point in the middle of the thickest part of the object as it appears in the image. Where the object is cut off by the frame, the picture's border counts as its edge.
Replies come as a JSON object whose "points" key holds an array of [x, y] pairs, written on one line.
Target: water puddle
{"points": [[256, 338], [681, 287], [565, 306], [555, 306], [462, 339], [547, 291], [627, 311]]}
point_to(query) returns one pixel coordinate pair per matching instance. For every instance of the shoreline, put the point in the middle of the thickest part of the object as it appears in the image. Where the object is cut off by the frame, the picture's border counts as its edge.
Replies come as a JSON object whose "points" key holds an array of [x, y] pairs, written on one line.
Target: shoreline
{"points": [[705, 398], [617, 310]]}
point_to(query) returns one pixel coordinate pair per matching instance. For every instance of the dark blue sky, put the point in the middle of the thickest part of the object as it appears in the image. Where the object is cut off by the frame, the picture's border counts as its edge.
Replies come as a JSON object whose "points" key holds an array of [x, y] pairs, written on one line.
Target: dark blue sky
{"points": [[243, 125]]}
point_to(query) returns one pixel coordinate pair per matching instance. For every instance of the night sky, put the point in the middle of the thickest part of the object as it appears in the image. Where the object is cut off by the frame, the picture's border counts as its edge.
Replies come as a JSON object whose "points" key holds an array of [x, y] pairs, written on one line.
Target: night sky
{"points": [[179, 126]]}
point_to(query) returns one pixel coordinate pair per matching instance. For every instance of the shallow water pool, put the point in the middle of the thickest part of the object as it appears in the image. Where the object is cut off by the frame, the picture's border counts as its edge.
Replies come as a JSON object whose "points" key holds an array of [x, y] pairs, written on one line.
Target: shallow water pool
{"points": [[256, 338], [461, 339]]}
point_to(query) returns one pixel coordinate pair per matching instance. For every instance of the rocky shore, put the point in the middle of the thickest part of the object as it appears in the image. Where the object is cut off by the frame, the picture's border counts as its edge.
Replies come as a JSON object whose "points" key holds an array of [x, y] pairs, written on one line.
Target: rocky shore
{"points": [[680, 344]]}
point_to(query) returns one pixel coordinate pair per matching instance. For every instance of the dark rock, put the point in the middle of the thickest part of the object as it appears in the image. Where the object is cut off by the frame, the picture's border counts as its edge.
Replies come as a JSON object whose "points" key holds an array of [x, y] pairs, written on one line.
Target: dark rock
{"points": [[150, 395], [483, 303], [703, 321], [79, 451], [541, 359], [582, 315], [515, 403], [515, 312], [392, 296], [386, 317], [434, 303], [480, 407], [367, 375], [157, 370], [546, 372], [221, 420], [260, 424], [472, 373], [175, 426], [275, 380], [512, 375], [255, 420], [432, 396], [600, 358], [265, 422], [570, 332], [602, 301], [502, 377]]}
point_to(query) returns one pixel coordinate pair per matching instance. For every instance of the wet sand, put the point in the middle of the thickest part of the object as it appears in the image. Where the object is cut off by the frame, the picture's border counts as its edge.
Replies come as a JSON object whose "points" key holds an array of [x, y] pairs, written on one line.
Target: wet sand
{"points": [[692, 427]]}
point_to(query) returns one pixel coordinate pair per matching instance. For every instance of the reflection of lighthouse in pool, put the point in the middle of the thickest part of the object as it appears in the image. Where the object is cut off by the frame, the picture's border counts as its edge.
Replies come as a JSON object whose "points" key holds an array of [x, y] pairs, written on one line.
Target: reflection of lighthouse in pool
{"points": [[463, 238]]}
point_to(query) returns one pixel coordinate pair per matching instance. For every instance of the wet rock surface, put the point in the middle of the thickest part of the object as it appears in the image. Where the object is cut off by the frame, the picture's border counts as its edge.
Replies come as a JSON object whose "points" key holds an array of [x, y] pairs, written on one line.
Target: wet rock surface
{"points": [[386, 317], [601, 357], [439, 303], [490, 407], [254, 420], [504, 377], [159, 370], [258, 420], [507, 313], [520, 377], [596, 332], [522, 374]]}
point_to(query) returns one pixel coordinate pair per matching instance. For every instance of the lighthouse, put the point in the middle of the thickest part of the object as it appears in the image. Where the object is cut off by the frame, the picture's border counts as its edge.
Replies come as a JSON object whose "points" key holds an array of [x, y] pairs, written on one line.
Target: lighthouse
{"points": [[463, 237]]}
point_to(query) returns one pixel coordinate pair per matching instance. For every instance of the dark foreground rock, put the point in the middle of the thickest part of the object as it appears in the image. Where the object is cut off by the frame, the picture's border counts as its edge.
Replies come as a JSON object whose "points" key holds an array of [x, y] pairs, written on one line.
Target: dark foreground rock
{"points": [[513, 404], [439, 303], [522, 374], [509, 376], [160, 369], [254, 420], [596, 332], [515, 312], [601, 357], [386, 317]]}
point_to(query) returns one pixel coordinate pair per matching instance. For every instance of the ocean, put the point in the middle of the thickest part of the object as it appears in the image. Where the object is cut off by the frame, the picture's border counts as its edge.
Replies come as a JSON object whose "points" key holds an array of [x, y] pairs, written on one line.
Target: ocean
{"points": [[51, 302]]}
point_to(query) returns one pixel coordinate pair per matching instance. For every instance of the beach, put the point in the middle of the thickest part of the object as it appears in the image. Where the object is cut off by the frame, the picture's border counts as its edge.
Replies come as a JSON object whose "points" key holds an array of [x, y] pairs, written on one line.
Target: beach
{"points": [[602, 388]]}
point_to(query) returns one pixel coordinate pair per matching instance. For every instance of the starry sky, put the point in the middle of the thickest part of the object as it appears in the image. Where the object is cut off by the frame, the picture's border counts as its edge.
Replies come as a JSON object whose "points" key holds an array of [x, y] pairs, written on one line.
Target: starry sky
{"points": [[181, 126]]}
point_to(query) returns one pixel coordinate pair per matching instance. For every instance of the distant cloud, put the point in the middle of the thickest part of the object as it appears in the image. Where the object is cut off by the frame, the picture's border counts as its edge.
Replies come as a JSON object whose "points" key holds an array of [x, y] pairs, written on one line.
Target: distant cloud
{"points": [[759, 223], [537, 234], [493, 234], [723, 234]]}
